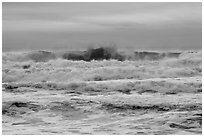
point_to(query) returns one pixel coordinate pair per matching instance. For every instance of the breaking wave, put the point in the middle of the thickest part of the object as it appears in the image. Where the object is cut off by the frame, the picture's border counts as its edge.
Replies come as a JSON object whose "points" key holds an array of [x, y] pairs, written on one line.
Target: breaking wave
{"points": [[95, 54]]}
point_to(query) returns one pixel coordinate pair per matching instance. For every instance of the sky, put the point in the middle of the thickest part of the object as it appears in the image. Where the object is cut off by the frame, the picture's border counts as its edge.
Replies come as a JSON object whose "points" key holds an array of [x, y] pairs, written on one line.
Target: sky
{"points": [[70, 26]]}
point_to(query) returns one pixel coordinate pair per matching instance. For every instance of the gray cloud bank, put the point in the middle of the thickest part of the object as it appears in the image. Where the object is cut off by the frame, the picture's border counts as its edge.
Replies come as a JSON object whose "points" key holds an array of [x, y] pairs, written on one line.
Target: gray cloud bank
{"points": [[157, 26]]}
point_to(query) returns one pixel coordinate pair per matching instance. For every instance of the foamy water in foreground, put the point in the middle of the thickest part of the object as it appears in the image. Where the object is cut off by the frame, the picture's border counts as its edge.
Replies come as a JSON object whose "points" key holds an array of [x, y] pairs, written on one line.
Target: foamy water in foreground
{"points": [[103, 97]]}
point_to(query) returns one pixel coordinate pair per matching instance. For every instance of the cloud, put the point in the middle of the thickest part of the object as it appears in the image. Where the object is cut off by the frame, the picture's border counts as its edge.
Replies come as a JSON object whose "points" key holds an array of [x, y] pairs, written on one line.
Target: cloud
{"points": [[50, 26], [178, 15], [143, 24], [98, 17]]}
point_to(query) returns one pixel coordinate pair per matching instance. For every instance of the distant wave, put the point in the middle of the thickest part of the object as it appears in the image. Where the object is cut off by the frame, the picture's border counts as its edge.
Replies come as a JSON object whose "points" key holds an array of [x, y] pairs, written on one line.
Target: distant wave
{"points": [[93, 54], [155, 55], [36, 56]]}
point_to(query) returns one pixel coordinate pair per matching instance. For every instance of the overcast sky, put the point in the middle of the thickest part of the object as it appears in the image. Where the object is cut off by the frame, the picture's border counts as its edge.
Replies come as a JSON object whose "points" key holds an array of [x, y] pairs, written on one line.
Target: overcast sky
{"points": [[52, 26]]}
